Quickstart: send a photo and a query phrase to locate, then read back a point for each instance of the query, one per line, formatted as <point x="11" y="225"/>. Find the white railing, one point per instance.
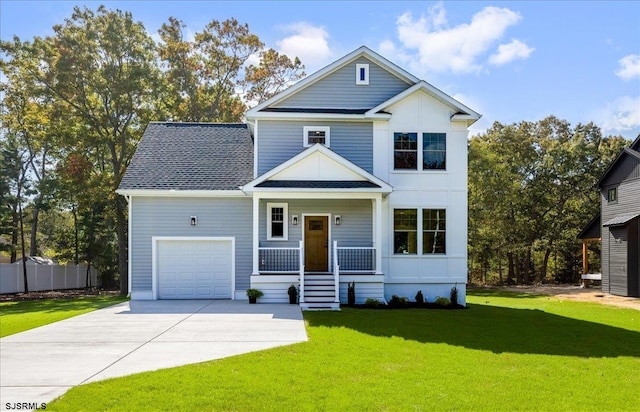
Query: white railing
<point x="356" y="259"/>
<point x="280" y="259"/>
<point x="301" y="270"/>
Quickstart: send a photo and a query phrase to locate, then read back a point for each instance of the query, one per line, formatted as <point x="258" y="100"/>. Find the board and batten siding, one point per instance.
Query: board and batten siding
<point x="354" y="230"/>
<point x="615" y="261"/>
<point x="169" y="216"/>
<point x="339" y="90"/>
<point x="278" y="141"/>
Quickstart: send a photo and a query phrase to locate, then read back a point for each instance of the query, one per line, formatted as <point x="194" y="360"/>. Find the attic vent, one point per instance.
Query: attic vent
<point x="362" y="74"/>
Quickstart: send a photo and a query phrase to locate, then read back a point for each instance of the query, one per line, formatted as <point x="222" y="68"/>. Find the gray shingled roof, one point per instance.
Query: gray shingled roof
<point x="319" y="184"/>
<point x="620" y="220"/>
<point x="191" y="156"/>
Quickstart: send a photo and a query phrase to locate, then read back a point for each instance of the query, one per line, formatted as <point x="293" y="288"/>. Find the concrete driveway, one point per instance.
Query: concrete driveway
<point x="41" y="364"/>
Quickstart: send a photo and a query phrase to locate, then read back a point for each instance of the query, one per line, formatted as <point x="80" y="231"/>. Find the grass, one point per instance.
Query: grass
<point x="28" y="314"/>
<point x="506" y="352"/>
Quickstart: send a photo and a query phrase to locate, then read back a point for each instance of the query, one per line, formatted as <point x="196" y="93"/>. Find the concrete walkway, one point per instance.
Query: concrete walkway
<point x="41" y="364"/>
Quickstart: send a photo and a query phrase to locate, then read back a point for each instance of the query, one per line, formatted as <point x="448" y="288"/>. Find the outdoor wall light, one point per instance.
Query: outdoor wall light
<point x="338" y="220"/>
<point x="294" y="220"/>
<point x="194" y="220"/>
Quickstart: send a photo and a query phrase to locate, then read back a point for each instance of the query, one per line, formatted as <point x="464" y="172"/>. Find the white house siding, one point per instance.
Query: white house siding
<point x="278" y="141"/>
<point x="339" y="90"/>
<point x="170" y="216"/>
<point x="447" y="189"/>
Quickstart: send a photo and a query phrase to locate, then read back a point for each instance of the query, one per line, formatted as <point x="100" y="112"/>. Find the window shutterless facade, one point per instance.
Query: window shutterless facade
<point x="405" y="151"/>
<point x="405" y="231"/>
<point x="316" y="134"/>
<point x="612" y="195"/>
<point x="434" y="225"/>
<point x="277" y="221"/>
<point x="430" y="152"/>
<point x="434" y="151"/>
<point x="406" y="227"/>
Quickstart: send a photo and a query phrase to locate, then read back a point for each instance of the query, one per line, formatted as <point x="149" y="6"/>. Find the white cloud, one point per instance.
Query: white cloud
<point x="509" y="52"/>
<point x="620" y="115"/>
<point x="460" y="48"/>
<point x="629" y="67"/>
<point x="308" y="42"/>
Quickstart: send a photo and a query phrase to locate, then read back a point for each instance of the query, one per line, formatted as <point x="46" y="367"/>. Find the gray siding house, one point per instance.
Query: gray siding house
<point x="620" y="217"/>
<point x="357" y="173"/>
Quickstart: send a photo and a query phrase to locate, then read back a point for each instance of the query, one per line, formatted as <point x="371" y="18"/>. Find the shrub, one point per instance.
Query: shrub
<point x="398" y="301"/>
<point x="442" y="301"/>
<point x="371" y="302"/>
<point x="351" y="293"/>
<point x="454" y="296"/>
<point x="419" y="297"/>
<point x="254" y="293"/>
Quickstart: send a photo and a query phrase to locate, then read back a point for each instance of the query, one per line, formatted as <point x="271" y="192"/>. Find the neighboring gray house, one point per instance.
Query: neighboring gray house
<point x="357" y="173"/>
<point x="620" y="217"/>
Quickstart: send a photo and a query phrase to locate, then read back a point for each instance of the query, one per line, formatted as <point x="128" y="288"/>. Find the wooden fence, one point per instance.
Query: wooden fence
<point x="45" y="277"/>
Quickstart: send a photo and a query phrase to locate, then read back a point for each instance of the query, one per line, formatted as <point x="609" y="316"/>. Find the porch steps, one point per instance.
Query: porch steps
<point x="319" y="292"/>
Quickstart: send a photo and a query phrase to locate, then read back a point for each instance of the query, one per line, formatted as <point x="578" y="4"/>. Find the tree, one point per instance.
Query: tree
<point x="274" y="73"/>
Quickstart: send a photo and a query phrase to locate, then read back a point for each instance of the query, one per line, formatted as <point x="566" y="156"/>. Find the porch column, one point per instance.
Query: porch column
<point x="256" y="233"/>
<point x="377" y="231"/>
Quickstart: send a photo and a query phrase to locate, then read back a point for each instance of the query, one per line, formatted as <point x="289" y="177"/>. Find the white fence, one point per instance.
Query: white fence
<point x="45" y="277"/>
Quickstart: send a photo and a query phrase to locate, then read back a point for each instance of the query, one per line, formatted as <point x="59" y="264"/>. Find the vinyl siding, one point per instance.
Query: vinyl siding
<point x="339" y="90"/>
<point x="278" y="141"/>
<point x="157" y="216"/>
<point x="355" y="230"/>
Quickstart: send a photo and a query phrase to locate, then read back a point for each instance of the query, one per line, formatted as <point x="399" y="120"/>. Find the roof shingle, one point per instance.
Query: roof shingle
<point x="191" y="156"/>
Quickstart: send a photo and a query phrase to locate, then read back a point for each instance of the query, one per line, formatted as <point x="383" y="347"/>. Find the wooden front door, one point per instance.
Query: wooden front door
<point x="316" y="243"/>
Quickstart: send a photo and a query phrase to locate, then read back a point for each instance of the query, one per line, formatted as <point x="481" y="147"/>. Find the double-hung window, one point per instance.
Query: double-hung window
<point x="434" y="222"/>
<point x="316" y="134"/>
<point x="277" y="219"/>
<point x="405" y="151"/>
<point x="434" y="151"/>
<point x="405" y="230"/>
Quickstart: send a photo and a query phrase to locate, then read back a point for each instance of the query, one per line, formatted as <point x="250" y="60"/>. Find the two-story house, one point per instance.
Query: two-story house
<point x="357" y="173"/>
<point x="620" y="216"/>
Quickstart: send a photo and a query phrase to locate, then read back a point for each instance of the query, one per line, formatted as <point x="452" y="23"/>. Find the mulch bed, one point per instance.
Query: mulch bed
<point x="57" y="294"/>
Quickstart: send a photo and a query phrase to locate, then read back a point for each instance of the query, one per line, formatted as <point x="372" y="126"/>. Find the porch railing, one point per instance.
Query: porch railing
<point x="280" y="259"/>
<point x="356" y="259"/>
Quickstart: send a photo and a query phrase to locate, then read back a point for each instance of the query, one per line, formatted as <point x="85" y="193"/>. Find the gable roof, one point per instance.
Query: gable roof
<point x="322" y="73"/>
<point x="325" y="171"/>
<point x="462" y="112"/>
<point x="190" y="156"/>
<point x="633" y="150"/>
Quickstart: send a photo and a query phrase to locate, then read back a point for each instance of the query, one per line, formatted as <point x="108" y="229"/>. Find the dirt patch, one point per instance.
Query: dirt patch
<point x="57" y="294"/>
<point x="572" y="292"/>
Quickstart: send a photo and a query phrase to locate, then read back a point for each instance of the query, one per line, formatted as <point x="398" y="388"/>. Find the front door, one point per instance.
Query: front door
<point x="316" y="243"/>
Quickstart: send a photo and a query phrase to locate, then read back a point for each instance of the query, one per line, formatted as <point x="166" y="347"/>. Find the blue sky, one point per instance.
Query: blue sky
<point x="510" y="61"/>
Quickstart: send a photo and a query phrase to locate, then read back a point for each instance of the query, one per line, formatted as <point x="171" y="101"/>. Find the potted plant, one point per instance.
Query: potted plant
<point x="293" y="295"/>
<point x="254" y="294"/>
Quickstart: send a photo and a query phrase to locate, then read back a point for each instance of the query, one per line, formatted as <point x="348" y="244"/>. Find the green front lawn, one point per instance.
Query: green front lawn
<point x="506" y="352"/>
<point x="28" y="314"/>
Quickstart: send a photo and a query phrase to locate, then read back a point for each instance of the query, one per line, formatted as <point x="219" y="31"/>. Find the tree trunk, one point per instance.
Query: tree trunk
<point x="33" y="247"/>
<point x="511" y="272"/>
<point x="545" y="264"/>
<point x="24" y="256"/>
<point x="500" y="265"/>
<point x="15" y="221"/>
<point x="121" y="225"/>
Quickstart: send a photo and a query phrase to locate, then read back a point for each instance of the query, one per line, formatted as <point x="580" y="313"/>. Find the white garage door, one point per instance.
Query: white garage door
<point x="194" y="269"/>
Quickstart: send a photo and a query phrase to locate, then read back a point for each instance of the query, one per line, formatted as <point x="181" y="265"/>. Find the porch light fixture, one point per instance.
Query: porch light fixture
<point x="194" y="220"/>
<point x="338" y="220"/>
<point x="294" y="220"/>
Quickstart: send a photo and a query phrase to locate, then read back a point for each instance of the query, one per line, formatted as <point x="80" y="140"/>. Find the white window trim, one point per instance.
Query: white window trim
<point x="420" y="166"/>
<point x="419" y="233"/>
<point x="285" y="221"/>
<point x="364" y="82"/>
<point x="307" y="129"/>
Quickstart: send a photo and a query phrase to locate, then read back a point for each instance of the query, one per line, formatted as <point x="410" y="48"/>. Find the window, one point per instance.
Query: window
<point x="405" y="229"/>
<point x="362" y="74"/>
<point x="277" y="221"/>
<point x="316" y="134"/>
<point x="405" y="151"/>
<point x="434" y="222"/>
<point x="434" y="151"/>
<point x="612" y="195"/>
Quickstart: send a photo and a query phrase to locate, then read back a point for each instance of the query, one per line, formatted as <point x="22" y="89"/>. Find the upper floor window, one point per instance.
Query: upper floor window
<point x="277" y="221"/>
<point x="405" y="151"/>
<point x="362" y="74"/>
<point x="316" y="134"/>
<point x="612" y="195"/>
<point x="434" y="150"/>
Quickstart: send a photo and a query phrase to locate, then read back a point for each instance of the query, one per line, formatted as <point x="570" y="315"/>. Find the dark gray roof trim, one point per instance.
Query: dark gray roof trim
<point x="319" y="184"/>
<point x="620" y="220"/>
<point x="592" y="230"/>
<point x="191" y="156"/>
